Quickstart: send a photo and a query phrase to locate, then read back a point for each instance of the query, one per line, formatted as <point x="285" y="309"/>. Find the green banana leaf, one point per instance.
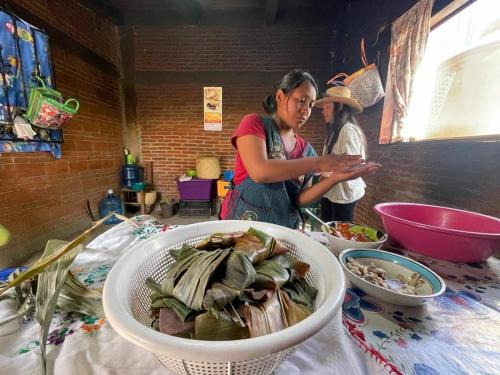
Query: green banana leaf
<point x="218" y="296"/>
<point x="209" y="327"/>
<point x="270" y="274"/>
<point x="219" y="241"/>
<point x="192" y="284"/>
<point x="301" y="292"/>
<point x="295" y="267"/>
<point x="239" y="273"/>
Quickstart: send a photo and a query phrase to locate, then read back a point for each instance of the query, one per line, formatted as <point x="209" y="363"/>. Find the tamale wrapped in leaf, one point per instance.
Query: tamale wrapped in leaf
<point x="209" y="327"/>
<point x="301" y="292"/>
<point x="256" y="296"/>
<point x="218" y="296"/>
<point x="160" y="300"/>
<point x="219" y="241"/>
<point x="256" y="245"/>
<point x="265" y="318"/>
<point x="300" y="268"/>
<point x="239" y="272"/>
<point x="171" y="324"/>
<point x="183" y="312"/>
<point x="192" y="285"/>
<point x="294" y="312"/>
<point x="182" y="253"/>
<point x="178" y="268"/>
<point x="270" y="274"/>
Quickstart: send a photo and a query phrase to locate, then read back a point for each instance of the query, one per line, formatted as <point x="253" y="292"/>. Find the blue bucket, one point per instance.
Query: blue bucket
<point x="228" y="175"/>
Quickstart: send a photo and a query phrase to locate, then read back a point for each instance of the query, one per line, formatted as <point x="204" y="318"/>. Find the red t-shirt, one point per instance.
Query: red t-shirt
<point x="252" y="125"/>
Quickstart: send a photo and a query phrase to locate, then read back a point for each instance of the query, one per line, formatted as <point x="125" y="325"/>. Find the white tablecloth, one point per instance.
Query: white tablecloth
<point x="90" y="346"/>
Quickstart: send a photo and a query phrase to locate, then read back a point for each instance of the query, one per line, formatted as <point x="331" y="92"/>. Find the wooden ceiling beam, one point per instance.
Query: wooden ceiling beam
<point x="105" y="9"/>
<point x="189" y="9"/>
<point x="272" y="7"/>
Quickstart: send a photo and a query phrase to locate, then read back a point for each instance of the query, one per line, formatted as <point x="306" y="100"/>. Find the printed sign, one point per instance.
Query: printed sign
<point x="212" y="108"/>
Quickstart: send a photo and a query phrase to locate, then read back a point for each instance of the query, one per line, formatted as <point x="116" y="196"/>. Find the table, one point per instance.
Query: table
<point x="92" y="346"/>
<point x="456" y="334"/>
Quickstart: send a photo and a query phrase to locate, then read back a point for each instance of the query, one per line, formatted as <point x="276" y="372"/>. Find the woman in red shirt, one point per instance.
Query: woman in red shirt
<point x="274" y="166"/>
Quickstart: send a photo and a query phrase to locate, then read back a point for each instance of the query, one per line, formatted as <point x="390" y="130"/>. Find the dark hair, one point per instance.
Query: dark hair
<point x="342" y="115"/>
<point x="288" y="83"/>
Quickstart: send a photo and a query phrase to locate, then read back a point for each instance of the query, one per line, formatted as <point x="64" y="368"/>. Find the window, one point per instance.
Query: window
<point x="457" y="84"/>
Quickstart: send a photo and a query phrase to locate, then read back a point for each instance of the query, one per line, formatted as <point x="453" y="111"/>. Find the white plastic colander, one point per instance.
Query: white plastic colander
<point x="127" y="304"/>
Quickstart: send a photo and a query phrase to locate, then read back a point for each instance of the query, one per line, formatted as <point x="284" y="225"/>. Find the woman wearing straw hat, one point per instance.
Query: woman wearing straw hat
<point x="343" y="137"/>
<point x="274" y="166"/>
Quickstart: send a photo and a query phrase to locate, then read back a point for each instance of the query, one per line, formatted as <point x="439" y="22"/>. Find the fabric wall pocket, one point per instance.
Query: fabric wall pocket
<point x="365" y="84"/>
<point x="47" y="109"/>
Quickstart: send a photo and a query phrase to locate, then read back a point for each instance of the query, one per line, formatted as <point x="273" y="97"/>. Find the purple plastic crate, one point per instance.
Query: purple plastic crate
<point x="196" y="189"/>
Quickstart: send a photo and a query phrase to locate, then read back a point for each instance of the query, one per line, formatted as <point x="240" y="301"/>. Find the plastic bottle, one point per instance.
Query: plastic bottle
<point x="111" y="203"/>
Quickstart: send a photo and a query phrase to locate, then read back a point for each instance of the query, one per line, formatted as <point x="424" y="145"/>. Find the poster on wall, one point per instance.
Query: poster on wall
<point x="212" y="108"/>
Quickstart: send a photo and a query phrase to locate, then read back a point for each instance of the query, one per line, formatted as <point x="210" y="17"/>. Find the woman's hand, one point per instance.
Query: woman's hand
<point x="332" y="162"/>
<point x="353" y="171"/>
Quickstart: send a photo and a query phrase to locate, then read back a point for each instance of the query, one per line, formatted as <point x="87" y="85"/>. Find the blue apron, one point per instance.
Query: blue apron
<point x="270" y="202"/>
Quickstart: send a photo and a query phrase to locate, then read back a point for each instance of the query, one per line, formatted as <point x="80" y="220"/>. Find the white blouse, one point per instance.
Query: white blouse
<point x="351" y="141"/>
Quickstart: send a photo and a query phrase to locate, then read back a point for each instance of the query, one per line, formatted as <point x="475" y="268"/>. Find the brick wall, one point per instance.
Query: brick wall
<point x="42" y="197"/>
<point x="173" y="65"/>
<point x="462" y="174"/>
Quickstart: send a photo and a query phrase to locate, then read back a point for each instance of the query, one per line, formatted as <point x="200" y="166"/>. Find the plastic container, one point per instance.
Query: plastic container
<point x="111" y="203"/>
<point x="222" y="188"/>
<point x="228" y="175"/>
<point x="127" y="303"/>
<point x="131" y="174"/>
<point x="195" y="208"/>
<point x="197" y="189"/>
<point x="441" y="232"/>
<point x="169" y="209"/>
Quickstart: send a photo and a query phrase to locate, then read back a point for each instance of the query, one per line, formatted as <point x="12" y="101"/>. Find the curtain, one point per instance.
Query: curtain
<point x="408" y="40"/>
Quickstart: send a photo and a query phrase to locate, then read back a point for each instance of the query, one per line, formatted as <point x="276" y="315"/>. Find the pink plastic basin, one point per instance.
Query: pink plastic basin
<point x="441" y="232"/>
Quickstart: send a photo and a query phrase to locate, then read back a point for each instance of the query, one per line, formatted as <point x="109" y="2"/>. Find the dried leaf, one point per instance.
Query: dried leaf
<point x="264" y="318"/>
<point x="50" y="283"/>
<point x="43" y="263"/>
<point x="294" y="312"/>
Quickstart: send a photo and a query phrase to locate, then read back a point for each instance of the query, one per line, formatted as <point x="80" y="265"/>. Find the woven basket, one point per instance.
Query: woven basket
<point x="208" y="167"/>
<point x="150" y="198"/>
<point x="126" y="302"/>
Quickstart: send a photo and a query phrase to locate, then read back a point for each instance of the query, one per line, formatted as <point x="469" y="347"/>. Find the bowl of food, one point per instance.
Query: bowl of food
<point x="137" y="280"/>
<point x="345" y="235"/>
<point x="441" y="232"/>
<point x="390" y="277"/>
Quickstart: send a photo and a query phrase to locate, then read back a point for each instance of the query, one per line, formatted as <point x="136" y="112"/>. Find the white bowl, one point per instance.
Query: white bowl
<point x="337" y="244"/>
<point x="126" y="302"/>
<point x="393" y="264"/>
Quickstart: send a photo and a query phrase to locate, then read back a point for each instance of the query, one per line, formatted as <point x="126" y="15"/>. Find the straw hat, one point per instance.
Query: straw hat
<point x="339" y="94"/>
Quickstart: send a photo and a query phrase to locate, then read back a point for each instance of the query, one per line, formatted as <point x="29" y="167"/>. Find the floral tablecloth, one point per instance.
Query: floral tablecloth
<point x="88" y="345"/>
<point x="456" y="333"/>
